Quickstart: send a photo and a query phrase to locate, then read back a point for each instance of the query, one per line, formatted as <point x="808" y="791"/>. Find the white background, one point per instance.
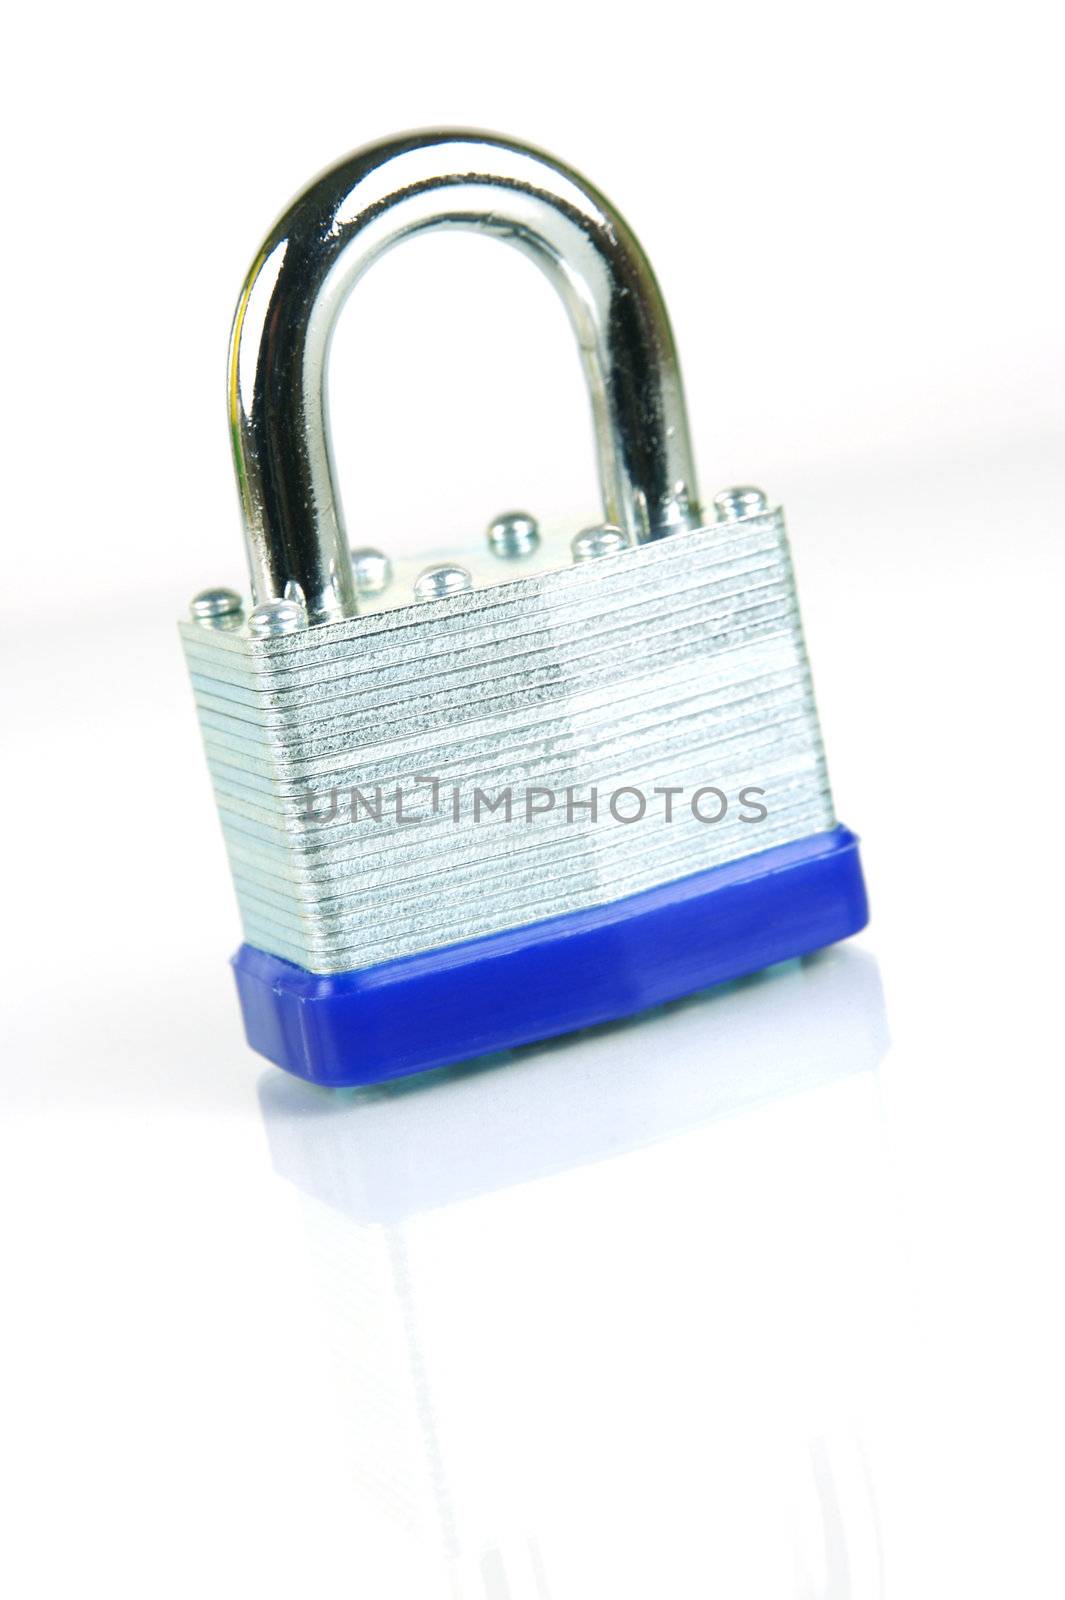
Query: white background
<point x="758" y="1298"/>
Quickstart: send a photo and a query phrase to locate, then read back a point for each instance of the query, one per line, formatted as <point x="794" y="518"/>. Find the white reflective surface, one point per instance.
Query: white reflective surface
<point x="547" y="1284"/>
<point x="761" y="1297"/>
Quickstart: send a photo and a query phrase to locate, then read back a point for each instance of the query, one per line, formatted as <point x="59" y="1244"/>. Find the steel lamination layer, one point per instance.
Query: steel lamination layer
<point x="677" y="663"/>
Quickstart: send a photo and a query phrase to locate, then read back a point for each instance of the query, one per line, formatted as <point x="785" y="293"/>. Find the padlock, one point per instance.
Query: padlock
<point x="541" y="783"/>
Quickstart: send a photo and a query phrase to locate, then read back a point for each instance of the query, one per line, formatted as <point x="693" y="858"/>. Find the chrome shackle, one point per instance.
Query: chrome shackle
<point x="314" y="256"/>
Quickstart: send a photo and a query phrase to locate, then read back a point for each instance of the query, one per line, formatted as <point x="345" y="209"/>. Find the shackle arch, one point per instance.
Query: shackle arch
<point x="313" y="257"/>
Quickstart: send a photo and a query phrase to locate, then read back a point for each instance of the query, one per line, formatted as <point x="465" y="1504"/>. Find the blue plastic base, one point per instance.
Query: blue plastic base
<point x="554" y="976"/>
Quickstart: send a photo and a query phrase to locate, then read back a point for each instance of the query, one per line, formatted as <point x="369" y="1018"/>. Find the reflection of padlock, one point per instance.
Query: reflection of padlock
<point x="532" y="787"/>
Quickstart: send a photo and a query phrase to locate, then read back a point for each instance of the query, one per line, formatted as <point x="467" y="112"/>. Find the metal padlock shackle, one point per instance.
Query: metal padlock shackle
<point x="314" y="256"/>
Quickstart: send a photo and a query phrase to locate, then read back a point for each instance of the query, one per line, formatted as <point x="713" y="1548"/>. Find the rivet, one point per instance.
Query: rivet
<point x="732" y="505"/>
<point x="514" y="534"/>
<point x="437" y="582"/>
<point x="277" y="616"/>
<point x="371" y="569"/>
<point x="604" y="540"/>
<point x="212" y="605"/>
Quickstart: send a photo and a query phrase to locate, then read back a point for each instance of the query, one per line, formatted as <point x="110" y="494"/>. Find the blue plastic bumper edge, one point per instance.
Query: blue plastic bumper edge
<point x="550" y="977"/>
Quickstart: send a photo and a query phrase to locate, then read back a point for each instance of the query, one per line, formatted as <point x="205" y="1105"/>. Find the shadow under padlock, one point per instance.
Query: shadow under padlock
<point x="485" y="1264"/>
